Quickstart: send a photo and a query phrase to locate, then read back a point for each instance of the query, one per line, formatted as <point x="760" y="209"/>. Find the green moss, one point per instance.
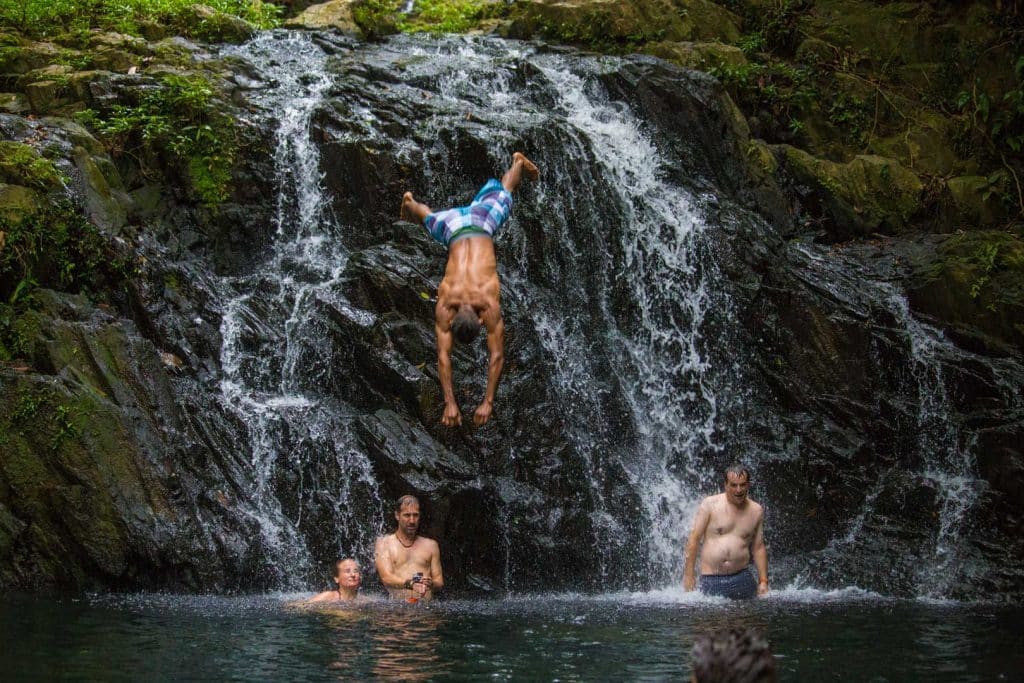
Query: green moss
<point x="21" y="164"/>
<point x="183" y="120"/>
<point x="975" y="281"/>
<point x="40" y="18"/>
<point x="376" y="18"/>
<point x="443" y="16"/>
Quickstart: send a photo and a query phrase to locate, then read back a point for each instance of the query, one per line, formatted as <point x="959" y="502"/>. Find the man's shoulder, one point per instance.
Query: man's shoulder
<point x="712" y="500"/>
<point x="384" y="540"/>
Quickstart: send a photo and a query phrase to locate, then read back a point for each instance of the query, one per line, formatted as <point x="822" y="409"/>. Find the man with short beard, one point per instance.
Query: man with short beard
<point x="730" y="525"/>
<point x="409" y="565"/>
<point x="468" y="296"/>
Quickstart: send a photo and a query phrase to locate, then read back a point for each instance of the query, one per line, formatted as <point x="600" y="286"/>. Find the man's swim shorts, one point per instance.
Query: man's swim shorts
<point x="739" y="586"/>
<point x="484" y="216"/>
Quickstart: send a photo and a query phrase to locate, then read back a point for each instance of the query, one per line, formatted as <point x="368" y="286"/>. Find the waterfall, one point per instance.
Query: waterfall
<point x="614" y="285"/>
<point x="274" y="352"/>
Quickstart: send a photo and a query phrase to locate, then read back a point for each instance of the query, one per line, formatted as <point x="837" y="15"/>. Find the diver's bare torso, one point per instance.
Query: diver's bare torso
<point x="471" y="276"/>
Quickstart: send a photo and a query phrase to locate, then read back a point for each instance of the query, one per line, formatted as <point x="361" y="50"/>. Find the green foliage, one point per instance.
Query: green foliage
<point x="851" y="116"/>
<point x="985" y="258"/>
<point x="55" y="248"/>
<point x="181" y="119"/>
<point x="20" y="164"/>
<point x="774" y="29"/>
<point x="31" y="404"/>
<point x="51" y="17"/>
<point x="64" y="421"/>
<point x="376" y="18"/>
<point x="443" y="16"/>
<point x="27" y="405"/>
<point x="781" y="89"/>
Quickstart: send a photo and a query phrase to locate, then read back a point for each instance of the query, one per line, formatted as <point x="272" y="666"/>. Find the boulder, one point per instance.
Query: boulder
<point x="701" y="56"/>
<point x="18" y="202"/>
<point x="869" y="194"/>
<point x="976" y="200"/>
<point x="973" y="285"/>
<point x="21" y="164"/>
<point x="336" y="14"/>
<point x="601" y="22"/>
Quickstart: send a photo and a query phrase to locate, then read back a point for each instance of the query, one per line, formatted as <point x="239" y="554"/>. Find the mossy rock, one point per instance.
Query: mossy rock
<point x="973" y="284"/>
<point x="205" y="23"/>
<point x="701" y="56"/>
<point x="336" y="14"/>
<point x="106" y="203"/>
<point x="376" y="18"/>
<point x="21" y="164"/>
<point x="600" y="23"/>
<point x="901" y="31"/>
<point x="814" y="51"/>
<point x="14" y="103"/>
<point x="868" y="194"/>
<point x="18" y="202"/>
<point x="976" y="200"/>
<point x="28" y="57"/>
<point x="926" y="146"/>
<point x="119" y="41"/>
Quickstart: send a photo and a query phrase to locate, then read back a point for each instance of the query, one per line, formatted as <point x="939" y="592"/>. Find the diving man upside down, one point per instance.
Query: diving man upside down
<point x="469" y="293"/>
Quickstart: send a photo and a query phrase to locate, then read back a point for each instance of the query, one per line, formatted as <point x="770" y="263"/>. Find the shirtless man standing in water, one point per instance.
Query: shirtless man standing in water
<point x="408" y="564"/>
<point x="731" y="528"/>
<point x="468" y="296"/>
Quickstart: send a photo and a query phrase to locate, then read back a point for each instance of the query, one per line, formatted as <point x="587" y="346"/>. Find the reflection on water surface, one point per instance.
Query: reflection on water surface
<point x="845" y="635"/>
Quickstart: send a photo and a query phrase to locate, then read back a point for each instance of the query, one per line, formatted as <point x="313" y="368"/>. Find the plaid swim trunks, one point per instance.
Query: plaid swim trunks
<point x="484" y="216"/>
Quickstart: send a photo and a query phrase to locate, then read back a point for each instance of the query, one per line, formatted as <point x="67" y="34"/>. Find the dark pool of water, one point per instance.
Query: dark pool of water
<point x="815" y="636"/>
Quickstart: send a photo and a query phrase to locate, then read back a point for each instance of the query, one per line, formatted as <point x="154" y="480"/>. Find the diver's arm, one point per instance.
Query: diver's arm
<point x="452" y="415"/>
<point x="496" y="349"/>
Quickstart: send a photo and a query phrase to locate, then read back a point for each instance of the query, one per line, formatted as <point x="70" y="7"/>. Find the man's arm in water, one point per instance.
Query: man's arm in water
<point x="700" y="525"/>
<point x="761" y="556"/>
<point x="452" y="415"/>
<point x="496" y="349"/>
<point x="382" y="560"/>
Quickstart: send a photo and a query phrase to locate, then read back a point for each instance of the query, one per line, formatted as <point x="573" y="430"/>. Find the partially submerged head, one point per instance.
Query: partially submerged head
<point x="466" y="324"/>
<point x="347" y="574"/>
<point x="739" y="655"/>
<point x="407" y="513"/>
<point x="737" y="483"/>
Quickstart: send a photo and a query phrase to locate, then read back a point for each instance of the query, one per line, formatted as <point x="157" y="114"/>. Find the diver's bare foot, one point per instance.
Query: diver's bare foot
<point x="528" y="166"/>
<point x="406" y="212"/>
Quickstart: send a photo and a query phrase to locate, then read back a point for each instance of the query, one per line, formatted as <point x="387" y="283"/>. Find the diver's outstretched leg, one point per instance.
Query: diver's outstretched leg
<point x="413" y="210"/>
<point x="520" y="165"/>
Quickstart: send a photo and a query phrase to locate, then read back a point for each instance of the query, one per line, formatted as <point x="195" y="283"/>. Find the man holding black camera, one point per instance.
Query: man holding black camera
<point x="409" y="565"/>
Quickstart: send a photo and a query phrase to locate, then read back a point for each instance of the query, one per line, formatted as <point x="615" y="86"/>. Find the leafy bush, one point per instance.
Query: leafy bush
<point x="441" y="16"/>
<point x="178" y="123"/>
<point x="50" y="17"/>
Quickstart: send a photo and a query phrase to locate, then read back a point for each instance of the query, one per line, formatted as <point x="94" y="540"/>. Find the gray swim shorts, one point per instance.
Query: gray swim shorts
<point x="739" y="586"/>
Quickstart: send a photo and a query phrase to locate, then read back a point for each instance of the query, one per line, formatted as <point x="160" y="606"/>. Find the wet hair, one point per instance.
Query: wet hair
<point x="405" y="500"/>
<point x="739" y="469"/>
<point x="337" y="565"/>
<point x="739" y="655"/>
<point x="466" y="325"/>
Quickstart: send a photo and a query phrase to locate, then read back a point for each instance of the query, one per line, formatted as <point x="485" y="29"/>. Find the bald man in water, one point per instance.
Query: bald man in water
<point x="468" y="297"/>
<point x="731" y="527"/>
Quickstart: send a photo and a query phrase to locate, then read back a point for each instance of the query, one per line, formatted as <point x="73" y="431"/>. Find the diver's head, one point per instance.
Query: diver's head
<point x="466" y="324"/>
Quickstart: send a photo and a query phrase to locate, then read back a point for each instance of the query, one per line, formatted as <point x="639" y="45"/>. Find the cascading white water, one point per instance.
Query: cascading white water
<point x="947" y="462"/>
<point x="658" y="359"/>
<point x="269" y="327"/>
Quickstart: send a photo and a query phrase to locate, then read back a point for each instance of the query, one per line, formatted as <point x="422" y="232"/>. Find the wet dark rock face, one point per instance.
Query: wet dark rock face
<point x="815" y="375"/>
